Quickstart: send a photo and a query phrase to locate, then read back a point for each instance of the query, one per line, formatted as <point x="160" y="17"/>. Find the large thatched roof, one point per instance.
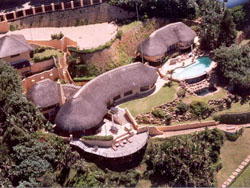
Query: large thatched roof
<point x="12" y="45"/>
<point x="89" y="105"/>
<point x="159" y="41"/>
<point x="44" y="93"/>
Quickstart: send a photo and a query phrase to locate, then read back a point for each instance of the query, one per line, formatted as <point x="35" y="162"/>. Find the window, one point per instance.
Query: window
<point x="144" y="88"/>
<point x="128" y="93"/>
<point x="16" y="55"/>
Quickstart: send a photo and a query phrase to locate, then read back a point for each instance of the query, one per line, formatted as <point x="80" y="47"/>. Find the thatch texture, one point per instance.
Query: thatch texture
<point x="44" y="93"/>
<point x="12" y="45"/>
<point x="89" y="105"/>
<point x="158" y="42"/>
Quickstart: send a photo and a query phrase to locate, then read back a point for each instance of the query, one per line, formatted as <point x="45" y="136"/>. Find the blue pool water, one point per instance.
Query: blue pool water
<point x="234" y="3"/>
<point x="193" y="70"/>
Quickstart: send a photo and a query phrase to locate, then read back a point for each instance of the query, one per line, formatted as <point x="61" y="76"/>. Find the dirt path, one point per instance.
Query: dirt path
<point x="88" y="36"/>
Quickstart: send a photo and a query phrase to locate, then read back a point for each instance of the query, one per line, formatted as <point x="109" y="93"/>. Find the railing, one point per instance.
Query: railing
<point x="47" y="8"/>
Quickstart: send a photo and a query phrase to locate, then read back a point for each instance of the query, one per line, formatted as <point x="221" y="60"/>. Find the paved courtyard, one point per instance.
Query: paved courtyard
<point x="87" y="36"/>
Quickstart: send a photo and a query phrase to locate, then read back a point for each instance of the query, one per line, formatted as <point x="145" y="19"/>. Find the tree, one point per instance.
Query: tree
<point x="233" y="64"/>
<point x="228" y="31"/>
<point x="218" y="27"/>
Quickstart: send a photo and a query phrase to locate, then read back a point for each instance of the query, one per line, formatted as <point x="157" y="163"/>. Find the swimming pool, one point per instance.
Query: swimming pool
<point x="234" y="3"/>
<point x="194" y="70"/>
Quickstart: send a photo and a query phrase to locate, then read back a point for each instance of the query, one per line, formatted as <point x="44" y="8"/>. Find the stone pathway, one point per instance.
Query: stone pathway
<point x="237" y="172"/>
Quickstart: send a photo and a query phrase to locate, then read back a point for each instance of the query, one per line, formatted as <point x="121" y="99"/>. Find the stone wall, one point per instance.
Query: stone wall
<point x="74" y="17"/>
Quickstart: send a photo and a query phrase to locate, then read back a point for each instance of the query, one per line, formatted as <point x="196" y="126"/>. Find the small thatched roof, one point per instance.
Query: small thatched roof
<point x="88" y="106"/>
<point x="159" y="41"/>
<point x="44" y="93"/>
<point x="12" y="45"/>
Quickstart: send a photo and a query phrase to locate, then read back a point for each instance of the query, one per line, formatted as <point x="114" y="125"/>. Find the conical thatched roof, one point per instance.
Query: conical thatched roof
<point x="12" y="45"/>
<point x="89" y="105"/>
<point x="158" y="42"/>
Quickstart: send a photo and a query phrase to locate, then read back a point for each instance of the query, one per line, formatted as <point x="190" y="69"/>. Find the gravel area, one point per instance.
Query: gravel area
<point x="87" y="36"/>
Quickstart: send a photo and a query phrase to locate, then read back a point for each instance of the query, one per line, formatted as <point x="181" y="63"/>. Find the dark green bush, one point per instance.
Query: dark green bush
<point x="168" y="119"/>
<point x="119" y="34"/>
<point x="199" y="109"/>
<point x="181" y="93"/>
<point x="158" y="113"/>
<point x="101" y="138"/>
<point x="175" y="55"/>
<point x="234" y="136"/>
<point x="12" y="28"/>
<point x="57" y="36"/>
<point x="233" y="118"/>
<point x="40" y="49"/>
<point x="181" y="108"/>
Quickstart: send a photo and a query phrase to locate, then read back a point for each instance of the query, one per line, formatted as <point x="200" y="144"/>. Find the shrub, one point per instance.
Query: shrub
<point x="196" y="28"/>
<point x="40" y="49"/>
<point x="101" y="138"/>
<point x="119" y="34"/>
<point x="181" y="93"/>
<point x="158" y="113"/>
<point x="175" y="55"/>
<point x="39" y="59"/>
<point x="12" y="28"/>
<point x="181" y="108"/>
<point x="168" y="119"/>
<point x="199" y="108"/>
<point x="234" y="136"/>
<point x="233" y="118"/>
<point x="57" y="36"/>
<point x="83" y="79"/>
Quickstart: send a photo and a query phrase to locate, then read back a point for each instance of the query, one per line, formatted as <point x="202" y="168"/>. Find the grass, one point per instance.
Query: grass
<point x="129" y="27"/>
<point x="243" y="180"/>
<point x="232" y="154"/>
<point x="214" y="96"/>
<point x="166" y="94"/>
<point x="237" y="107"/>
<point x="49" y="52"/>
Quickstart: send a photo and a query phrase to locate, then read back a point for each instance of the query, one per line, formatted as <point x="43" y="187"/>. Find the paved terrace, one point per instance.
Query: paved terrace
<point x="87" y="36"/>
<point x="138" y="142"/>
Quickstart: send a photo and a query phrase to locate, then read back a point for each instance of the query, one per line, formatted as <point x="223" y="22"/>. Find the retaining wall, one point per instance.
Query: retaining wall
<point x="41" y="66"/>
<point x="73" y="13"/>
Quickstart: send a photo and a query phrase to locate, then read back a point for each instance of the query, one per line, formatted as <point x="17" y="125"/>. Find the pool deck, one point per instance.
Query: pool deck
<point x="138" y="142"/>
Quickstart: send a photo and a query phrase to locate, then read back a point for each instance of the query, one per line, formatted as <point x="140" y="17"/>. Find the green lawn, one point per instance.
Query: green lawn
<point x="49" y="52"/>
<point x="232" y="154"/>
<point x="213" y="96"/>
<point x="129" y="27"/>
<point x="166" y="94"/>
<point x="243" y="180"/>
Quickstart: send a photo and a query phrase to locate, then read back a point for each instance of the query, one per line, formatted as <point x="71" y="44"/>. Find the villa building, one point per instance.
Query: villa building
<point x="85" y="111"/>
<point x="16" y="50"/>
<point x="160" y="42"/>
<point x="49" y="96"/>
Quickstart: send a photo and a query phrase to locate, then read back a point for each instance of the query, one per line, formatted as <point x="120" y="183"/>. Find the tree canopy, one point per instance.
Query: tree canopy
<point x="234" y="65"/>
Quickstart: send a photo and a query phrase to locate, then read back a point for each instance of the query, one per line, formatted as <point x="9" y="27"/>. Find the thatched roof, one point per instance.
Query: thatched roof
<point x="69" y="90"/>
<point x="44" y="93"/>
<point x="89" y="105"/>
<point x="159" y="41"/>
<point x="12" y="45"/>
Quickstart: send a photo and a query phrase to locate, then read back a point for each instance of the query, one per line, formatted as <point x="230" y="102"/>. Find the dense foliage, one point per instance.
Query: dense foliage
<point x="217" y="25"/>
<point x="160" y="8"/>
<point x="234" y="65"/>
<point x="187" y="160"/>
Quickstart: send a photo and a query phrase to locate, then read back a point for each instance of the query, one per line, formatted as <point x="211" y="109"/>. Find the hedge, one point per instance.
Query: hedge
<point x="39" y="59"/>
<point x="92" y="50"/>
<point x="234" y="136"/>
<point x="233" y="118"/>
<point x="101" y="138"/>
<point x="83" y="79"/>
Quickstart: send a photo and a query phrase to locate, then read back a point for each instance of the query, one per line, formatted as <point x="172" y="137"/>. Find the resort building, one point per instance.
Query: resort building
<point x="16" y="50"/>
<point x="160" y="42"/>
<point x="85" y="111"/>
<point x="49" y="96"/>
